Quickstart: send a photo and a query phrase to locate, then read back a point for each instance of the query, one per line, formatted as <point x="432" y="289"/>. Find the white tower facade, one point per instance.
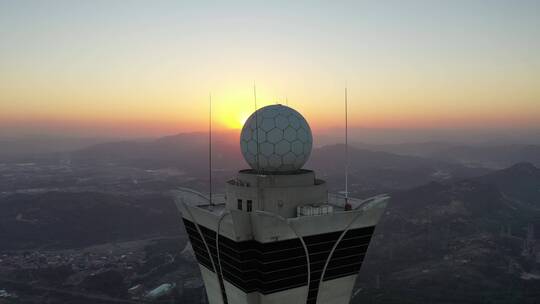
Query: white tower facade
<point x="277" y="235"/>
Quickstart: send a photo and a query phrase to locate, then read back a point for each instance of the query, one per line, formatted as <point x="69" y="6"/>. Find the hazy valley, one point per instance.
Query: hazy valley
<point x="97" y="224"/>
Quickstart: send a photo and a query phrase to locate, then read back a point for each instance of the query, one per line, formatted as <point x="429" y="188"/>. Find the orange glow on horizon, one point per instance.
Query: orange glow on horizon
<point x="166" y="111"/>
<point x="231" y="117"/>
<point x="147" y="71"/>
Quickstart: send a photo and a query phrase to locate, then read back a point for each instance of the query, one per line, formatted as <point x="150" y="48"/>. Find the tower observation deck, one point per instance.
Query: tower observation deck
<point x="277" y="235"/>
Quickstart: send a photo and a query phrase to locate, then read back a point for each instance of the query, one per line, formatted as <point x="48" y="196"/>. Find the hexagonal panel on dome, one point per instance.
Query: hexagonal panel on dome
<point x="246" y="135"/>
<point x="275" y="161"/>
<point x="280" y="141"/>
<point x="302" y="135"/>
<point x="267" y="124"/>
<point x="289" y="158"/>
<point x="282" y="147"/>
<point x="293" y="120"/>
<point x="289" y="134"/>
<point x="260" y="135"/>
<point x="274" y="136"/>
<point x="299" y="162"/>
<point x="250" y="158"/>
<point x="307" y="147"/>
<point x="243" y="145"/>
<point x="252" y="124"/>
<point x="303" y="124"/>
<point x="267" y="149"/>
<point x="285" y="111"/>
<point x="252" y="147"/>
<point x="297" y="148"/>
<point x="281" y="122"/>
<point x="263" y="161"/>
<point x="270" y="113"/>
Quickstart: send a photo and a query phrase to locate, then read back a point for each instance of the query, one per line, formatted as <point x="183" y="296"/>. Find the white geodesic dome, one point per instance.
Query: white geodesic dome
<point x="276" y="138"/>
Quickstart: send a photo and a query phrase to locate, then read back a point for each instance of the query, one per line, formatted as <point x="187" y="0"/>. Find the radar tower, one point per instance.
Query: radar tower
<point x="277" y="235"/>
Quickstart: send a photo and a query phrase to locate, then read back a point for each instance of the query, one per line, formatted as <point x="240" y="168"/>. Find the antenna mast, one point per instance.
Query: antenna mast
<point x="256" y="126"/>
<point x="347" y="205"/>
<point x="210" y="145"/>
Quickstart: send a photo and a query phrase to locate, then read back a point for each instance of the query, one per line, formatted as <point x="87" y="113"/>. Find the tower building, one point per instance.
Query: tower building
<point x="277" y="235"/>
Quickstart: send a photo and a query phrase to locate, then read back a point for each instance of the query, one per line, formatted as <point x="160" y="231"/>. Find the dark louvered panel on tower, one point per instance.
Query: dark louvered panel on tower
<point x="272" y="267"/>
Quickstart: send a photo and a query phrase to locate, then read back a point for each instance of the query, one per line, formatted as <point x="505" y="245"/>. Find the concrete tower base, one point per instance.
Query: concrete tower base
<point x="278" y="239"/>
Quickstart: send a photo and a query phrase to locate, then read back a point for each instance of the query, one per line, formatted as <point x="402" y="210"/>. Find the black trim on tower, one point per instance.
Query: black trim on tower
<point x="202" y="254"/>
<point x="271" y="267"/>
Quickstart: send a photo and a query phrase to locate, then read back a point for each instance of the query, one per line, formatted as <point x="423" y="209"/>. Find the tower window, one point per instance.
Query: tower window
<point x="249" y="206"/>
<point x="239" y="204"/>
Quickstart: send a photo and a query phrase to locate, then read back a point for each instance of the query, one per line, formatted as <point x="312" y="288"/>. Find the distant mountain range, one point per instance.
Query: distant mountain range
<point x="32" y="146"/>
<point x="154" y="152"/>
<point x="496" y="157"/>
<point x="374" y="170"/>
<point x="383" y="171"/>
<point x="487" y="155"/>
<point x="226" y="149"/>
<point x="460" y="242"/>
<point x="188" y="151"/>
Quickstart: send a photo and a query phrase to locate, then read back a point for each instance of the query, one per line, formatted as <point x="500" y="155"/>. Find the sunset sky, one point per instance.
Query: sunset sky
<point x="145" y="68"/>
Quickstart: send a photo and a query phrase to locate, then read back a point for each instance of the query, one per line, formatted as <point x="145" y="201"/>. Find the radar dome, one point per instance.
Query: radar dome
<point x="276" y="139"/>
